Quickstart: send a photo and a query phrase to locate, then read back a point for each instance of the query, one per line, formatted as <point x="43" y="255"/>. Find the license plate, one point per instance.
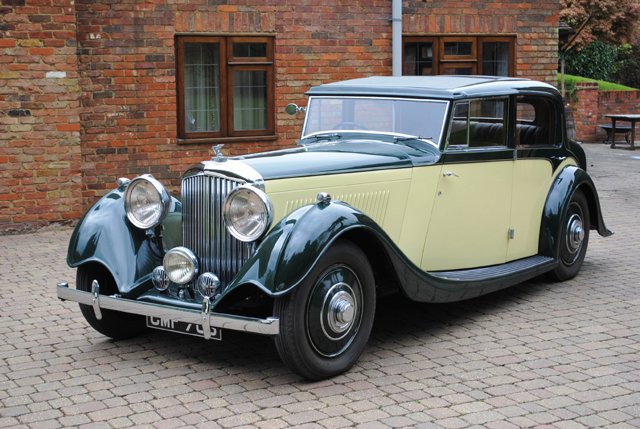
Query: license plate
<point x="182" y="327"/>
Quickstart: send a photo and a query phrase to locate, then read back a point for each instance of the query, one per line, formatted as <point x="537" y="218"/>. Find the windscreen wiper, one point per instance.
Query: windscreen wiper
<point x="423" y="144"/>
<point x="407" y="138"/>
<point x="325" y="136"/>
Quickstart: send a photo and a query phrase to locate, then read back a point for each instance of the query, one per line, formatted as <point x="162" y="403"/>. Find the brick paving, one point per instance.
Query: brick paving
<point x="563" y="355"/>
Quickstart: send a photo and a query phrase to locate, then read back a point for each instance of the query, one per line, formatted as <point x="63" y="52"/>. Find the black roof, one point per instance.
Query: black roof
<point x="444" y="87"/>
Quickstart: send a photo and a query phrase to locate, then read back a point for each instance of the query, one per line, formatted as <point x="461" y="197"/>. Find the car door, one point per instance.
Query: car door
<point x="469" y="224"/>
<point x="538" y="138"/>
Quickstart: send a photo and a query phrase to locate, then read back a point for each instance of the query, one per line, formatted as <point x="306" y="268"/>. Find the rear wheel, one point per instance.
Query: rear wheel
<point x="114" y="324"/>
<point x="573" y="239"/>
<point x="325" y="323"/>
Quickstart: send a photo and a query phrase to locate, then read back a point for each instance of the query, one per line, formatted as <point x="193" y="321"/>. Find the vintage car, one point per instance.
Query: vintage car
<point x="442" y="188"/>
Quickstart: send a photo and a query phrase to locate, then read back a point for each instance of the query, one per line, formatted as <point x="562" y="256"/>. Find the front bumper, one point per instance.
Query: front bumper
<point x="204" y="317"/>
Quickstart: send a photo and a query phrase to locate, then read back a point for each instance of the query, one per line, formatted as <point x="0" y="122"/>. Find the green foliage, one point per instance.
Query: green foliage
<point x="597" y="60"/>
<point x="628" y="68"/>
<point x="570" y="84"/>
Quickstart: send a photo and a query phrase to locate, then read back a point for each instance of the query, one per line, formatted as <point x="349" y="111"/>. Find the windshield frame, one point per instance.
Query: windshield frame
<point x="391" y="134"/>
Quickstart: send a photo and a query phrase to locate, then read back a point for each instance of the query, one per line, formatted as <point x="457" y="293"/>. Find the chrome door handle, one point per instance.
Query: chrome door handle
<point x="449" y="174"/>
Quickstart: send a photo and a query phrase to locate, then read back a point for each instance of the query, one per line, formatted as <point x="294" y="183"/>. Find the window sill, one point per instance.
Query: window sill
<point x="242" y="139"/>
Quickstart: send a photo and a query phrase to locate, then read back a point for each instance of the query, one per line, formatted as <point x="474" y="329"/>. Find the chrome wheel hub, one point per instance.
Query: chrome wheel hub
<point x="575" y="233"/>
<point x="338" y="311"/>
<point x="341" y="311"/>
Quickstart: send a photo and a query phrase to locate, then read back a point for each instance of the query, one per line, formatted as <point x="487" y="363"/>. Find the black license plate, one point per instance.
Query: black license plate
<point x="182" y="327"/>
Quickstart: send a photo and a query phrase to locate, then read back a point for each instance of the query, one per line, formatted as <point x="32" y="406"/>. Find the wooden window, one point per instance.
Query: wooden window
<point x="225" y="87"/>
<point x="458" y="48"/>
<point x="464" y="55"/>
<point x="462" y="68"/>
<point x="420" y="56"/>
<point x="496" y="56"/>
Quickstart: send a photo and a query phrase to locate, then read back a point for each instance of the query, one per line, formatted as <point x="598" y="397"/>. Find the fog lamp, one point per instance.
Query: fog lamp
<point x="181" y="265"/>
<point x="208" y="284"/>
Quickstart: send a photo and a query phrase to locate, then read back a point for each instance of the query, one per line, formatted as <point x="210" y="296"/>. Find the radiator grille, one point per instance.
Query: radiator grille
<point x="203" y="228"/>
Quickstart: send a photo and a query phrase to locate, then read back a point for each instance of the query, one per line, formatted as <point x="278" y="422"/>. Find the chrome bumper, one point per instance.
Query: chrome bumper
<point x="268" y="326"/>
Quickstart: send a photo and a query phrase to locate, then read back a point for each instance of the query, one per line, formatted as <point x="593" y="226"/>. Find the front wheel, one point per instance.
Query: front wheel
<point x="114" y="324"/>
<point x="325" y="323"/>
<point x="573" y="239"/>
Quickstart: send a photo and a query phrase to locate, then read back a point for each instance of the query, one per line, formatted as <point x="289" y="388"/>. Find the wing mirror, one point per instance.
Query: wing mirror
<point x="293" y="108"/>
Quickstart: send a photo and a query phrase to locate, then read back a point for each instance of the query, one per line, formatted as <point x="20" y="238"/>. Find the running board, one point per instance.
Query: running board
<point x="533" y="265"/>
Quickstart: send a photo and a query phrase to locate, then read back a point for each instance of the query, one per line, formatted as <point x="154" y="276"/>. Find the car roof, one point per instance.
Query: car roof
<point x="443" y="87"/>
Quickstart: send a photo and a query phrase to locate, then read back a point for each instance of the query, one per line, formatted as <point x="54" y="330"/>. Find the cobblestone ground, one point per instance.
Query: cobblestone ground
<point x="539" y="354"/>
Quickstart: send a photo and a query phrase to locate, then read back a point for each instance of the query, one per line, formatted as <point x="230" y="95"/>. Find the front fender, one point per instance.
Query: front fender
<point x="291" y="249"/>
<point x="105" y="236"/>
<point x="568" y="181"/>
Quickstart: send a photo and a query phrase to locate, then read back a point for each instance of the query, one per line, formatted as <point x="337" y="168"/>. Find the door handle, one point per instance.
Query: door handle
<point x="449" y="174"/>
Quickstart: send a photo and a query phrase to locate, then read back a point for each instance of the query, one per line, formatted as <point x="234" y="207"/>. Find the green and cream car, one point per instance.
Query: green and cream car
<point x="442" y="188"/>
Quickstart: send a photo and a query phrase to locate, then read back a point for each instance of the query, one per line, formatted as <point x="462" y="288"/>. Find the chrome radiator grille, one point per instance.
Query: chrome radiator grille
<point x="203" y="228"/>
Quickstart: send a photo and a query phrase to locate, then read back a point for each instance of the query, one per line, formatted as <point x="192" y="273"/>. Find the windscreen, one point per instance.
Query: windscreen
<point x="422" y="118"/>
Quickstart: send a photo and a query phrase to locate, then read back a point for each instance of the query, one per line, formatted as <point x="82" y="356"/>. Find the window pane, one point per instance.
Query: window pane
<point x="249" y="100"/>
<point x="201" y="87"/>
<point x="247" y="50"/>
<point x="458" y="48"/>
<point x="487" y="123"/>
<point x="418" y="58"/>
<point x="495" y="58"/>
<point x="458" y="130"/>
<point x="536" y="121"/>
<point x="375" y="115"/>
<point x="457" y="70"/>
<point x="478" y="123"/>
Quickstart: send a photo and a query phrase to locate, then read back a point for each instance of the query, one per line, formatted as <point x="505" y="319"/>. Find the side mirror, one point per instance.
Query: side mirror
<point x="293" y="108"/>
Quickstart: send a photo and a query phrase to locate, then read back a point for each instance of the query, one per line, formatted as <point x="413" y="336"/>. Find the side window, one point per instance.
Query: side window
<point x="459" y="128"/>
<point x="478" y="123"/>
<point x="536" y="121"/>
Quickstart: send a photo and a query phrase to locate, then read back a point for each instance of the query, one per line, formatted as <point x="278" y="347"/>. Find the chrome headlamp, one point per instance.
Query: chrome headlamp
<point x="180" y="265"/>
<point x="247" y="213"/>
<point x="146" y="202"/>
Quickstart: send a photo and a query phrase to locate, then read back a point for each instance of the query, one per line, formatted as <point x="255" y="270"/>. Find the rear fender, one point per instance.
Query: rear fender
<point x="104" y="235"/>
<point x="570" y="180"/>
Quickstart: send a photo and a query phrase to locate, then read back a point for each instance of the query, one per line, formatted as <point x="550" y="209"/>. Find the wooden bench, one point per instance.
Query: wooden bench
<point x="620" y="129"/>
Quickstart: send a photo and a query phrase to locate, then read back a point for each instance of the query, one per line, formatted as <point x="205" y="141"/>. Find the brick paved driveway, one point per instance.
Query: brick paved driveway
<point x="561" y="355"/>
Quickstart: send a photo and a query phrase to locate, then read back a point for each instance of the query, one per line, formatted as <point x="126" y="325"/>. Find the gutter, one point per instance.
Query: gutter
<point x="396" y="38"/>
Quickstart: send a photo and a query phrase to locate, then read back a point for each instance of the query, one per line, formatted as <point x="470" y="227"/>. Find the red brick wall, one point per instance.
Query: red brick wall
<point x="126" y="72"/>
<point x="535" y="23"/>
<point x="39" y="114"/>
<point x="591" y="105"/>
<point x="127" y="64"/>
<point x="617" y="102"/>
<point x="585" y="111"/>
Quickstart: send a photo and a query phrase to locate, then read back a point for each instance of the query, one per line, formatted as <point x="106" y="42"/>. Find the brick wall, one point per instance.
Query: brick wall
<point x="127" y="67"/>
<point x="39" y="114"/>
<point x="534" y="22"/>
<point x="591" y="105"/>
<point x="585" y="111"/>
<point x="126" y="70"/>
<point x="617" y="102"/>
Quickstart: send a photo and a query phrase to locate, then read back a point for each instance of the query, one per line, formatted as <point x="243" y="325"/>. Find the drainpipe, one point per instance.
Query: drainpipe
<point x="396" y="38"/>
